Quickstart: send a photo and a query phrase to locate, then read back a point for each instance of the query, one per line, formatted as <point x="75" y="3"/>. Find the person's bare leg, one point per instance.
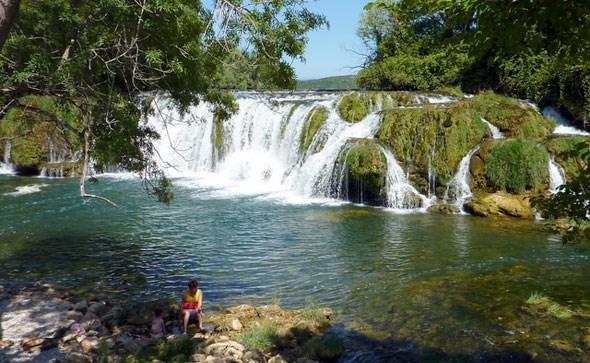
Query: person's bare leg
<point x="187" y="317"/>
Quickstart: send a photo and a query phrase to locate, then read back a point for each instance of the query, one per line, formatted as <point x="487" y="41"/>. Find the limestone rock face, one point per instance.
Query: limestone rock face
<point x="501" y="204"/>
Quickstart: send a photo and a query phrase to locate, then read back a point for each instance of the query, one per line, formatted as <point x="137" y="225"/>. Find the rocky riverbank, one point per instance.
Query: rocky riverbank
<point x="41" y="324"/>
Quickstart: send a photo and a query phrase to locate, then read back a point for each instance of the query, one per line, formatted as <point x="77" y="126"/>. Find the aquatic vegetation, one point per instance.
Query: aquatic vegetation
<point x="314" y="121"/>
<point x="549" y="306"/>
<point x="355" y="106"/>
<point x="262" y="337"/>
<point x="517" y="165"/>
<point x="511" y="116"/>
<point x="366" y="173"/>
<point x="431" y="137"/>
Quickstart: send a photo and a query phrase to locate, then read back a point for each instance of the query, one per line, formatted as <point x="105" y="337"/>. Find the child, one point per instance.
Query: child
<point x="158" y="327"/>
<point x="192" y="301"/>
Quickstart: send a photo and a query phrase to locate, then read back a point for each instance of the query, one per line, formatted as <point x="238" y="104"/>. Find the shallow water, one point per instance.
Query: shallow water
<point x="449" y="284"/>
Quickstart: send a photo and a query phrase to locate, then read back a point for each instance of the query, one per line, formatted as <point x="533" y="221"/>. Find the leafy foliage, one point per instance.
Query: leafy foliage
<point x="101" y="58"/>
<point x="517" y="165"/>
<point x="331" y="83"/>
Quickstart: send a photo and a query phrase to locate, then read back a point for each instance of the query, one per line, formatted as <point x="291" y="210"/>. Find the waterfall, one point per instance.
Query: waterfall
<point x="556" y="176"/>
<point x="400" y="193"/>
<point x="5" y="166"/>
<point x="563" y="125"/>
<point x="460" y="182"/>
<point x="496" y="133"/>
<point x="257" y="151"/>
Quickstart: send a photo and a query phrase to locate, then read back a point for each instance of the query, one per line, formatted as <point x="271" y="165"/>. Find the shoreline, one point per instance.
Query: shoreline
<point x="42" y="324"/>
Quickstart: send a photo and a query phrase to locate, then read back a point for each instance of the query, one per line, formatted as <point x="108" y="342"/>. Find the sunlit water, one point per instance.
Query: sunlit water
<point x="454" y="284"/>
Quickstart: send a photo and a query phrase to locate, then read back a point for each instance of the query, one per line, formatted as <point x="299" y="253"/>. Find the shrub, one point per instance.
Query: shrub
<point x="517" y="165"/>
<point x="262" y="337"/>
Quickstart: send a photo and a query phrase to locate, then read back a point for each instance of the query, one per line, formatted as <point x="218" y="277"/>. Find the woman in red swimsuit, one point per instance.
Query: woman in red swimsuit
<point x="192" y="301"/>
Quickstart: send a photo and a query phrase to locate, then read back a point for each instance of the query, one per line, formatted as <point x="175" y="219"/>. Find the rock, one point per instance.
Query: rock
<point x="31" y="343"/>
<point x="443" y="209"/>
<point x="112" y="317"/>
<point x="74" y="315"/>
<point x="89" y="345"/>
<point x="563" y="346"/>
<point x="199" y="358"/>
<point x="76" y="357"/>
<point x="212" y="359"/>
<point x="225" y="349"/>
<point x="98" y="308"/>
<point x="501" y="204"/>
<point x="81" y="306"/>
<point x="128" y="344"/>
<point x="6" y="344"/>
<point x="252" y="356"/>
<point x="236" y="325"/>
<point x="277" y="359"/>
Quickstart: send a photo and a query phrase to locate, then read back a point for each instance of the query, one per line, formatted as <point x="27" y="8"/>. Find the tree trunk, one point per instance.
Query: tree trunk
<point x="8" y="11"/>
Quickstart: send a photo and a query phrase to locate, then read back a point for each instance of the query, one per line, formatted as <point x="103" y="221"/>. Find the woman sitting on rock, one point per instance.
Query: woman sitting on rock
<point x="192" y="301"/>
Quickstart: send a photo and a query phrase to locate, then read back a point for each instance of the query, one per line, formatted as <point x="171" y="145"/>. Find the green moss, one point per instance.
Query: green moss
<point x="566" y="153"/>
<point x="314" y="121"/>
<point x="366" y="173"/>
<point x="450" y="91"/>
<point x="517" y="165"/>
<point x="550" y="307"/>
<point x="414" y="133"/>
<point x="354" y="107"/>
<point x="513" y="118"/>
<point x="262" y="337"/>
<point x="218" y="137"/>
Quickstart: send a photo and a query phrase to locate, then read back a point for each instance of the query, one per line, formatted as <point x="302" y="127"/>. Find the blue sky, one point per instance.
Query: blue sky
<point x="328" y="52"/>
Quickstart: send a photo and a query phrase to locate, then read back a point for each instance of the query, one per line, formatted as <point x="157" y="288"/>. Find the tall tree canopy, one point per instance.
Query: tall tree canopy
<point x="536" y="49"/>
<point x="102" y="59"/>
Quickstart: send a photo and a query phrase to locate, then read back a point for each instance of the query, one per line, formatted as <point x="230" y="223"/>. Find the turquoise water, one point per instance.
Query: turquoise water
<point x="454" y="284"/>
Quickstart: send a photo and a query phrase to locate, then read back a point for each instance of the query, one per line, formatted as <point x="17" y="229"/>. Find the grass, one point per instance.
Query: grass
<point x="262" y="338"/>
<point x="517" y="165"/>
<point x="177" y="350"/>
<point x="355" y="106"/>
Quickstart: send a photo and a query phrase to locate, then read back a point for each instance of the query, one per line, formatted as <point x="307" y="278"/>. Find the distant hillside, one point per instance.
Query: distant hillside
<point x="339" y="83"/>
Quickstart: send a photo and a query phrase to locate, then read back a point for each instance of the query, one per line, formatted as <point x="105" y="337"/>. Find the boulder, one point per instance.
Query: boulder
<point x="81" y="306"/>
<point x="98" y="308"/>
<point x="225" y="349"/>
<point x="74" y="315"/>
<point x="236" y="325"/>
<point x="443" y="209"/>
<point x="277" y="359"/>
<point x="501" y="204"/>
<point x="36" y="343"/>
<point x="252" y="356"/>
<point x="89" y="345"/>
<point x="76" y="357"/>
<point x="198" y="358"/>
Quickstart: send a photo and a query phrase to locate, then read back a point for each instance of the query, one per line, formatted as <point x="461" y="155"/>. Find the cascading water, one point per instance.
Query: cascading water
<point x="556" y="176"/>
<point x="496" y="133"/>
<point x="563" y="125"/>
<point x="400" y="193"/>
<point x="5" y="166"/>
<point x="257" y="151"/>
<point x="459" y="185"/>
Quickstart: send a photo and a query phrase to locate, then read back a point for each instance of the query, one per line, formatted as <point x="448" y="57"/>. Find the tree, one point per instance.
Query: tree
<point x="8" y="11"/>
<point x="107" y="59"/>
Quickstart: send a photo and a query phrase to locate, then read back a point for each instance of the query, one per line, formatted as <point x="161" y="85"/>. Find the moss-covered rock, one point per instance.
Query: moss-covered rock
<point x="514" y="118"/>
<point x="565" y="149"/>
<point x="354" y="107"/>
<point x="516" y="166"/>
<point x="313" y="122"/>
<point x="366" y="173"/>
<point x="500" y="204"/>
<point x="431" y="136"/>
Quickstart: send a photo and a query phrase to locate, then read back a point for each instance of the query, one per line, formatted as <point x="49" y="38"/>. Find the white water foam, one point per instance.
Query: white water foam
<point x="563" y="125"/>
<point x="260" y="152"/>
<point x="460" y="182"/>
<point x="556" y="176"/>
<point x="6" y="169"/>
<point x="496" y="133"/>
<point x="27" y="189"/>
